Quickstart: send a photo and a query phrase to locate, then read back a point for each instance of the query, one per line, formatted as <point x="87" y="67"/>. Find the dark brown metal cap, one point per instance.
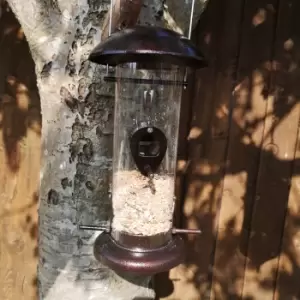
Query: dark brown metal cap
<point x="143" y="44"/>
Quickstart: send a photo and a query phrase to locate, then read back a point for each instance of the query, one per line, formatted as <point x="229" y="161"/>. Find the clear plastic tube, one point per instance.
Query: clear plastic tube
<point x="144" y="205"/>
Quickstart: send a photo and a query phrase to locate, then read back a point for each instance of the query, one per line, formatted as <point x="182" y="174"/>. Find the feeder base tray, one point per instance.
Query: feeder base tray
<point x="123" y="259"/>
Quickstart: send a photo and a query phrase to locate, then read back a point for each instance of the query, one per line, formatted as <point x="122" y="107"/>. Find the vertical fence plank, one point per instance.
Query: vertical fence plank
<point x="273" y="184"/>
<point x="218" y="36"/>
<point x="162" y="284"/>
<point x="246" y="135"/>
<point x="287" y="78"/>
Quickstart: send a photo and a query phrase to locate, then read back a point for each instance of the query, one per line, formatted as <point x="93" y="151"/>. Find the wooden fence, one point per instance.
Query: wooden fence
<point x="20" y="124"/>
<point x="239" y="165"/>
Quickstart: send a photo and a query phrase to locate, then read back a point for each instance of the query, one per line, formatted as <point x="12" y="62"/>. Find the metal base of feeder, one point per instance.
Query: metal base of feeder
<point x="142" y="255"/>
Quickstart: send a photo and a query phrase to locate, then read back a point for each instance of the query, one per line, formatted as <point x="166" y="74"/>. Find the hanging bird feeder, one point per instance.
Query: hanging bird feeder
<point x="149" y="76"/>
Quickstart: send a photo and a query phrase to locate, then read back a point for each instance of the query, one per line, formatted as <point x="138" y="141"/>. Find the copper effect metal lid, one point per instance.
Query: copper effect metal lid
<point x="143" y="44"/>
<point x="137" y="256"/>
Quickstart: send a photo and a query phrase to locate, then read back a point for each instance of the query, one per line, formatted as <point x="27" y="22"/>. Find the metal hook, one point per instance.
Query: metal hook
<point x="110" y="25"/>
<point x="190" y="31"/>
<point x="191" y="19"/>
<point x="110" y="17"/>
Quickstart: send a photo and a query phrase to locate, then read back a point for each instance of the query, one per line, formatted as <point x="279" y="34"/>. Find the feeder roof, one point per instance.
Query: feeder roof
<point x="144" y="44"/>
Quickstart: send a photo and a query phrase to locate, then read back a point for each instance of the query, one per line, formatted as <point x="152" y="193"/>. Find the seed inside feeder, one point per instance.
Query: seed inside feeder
<point x="142" y="206"/>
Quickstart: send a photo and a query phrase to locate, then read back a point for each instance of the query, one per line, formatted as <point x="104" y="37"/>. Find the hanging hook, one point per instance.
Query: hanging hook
<point x="110" y="17"/>
<point x="110" y="25"/>
<point x="190" y="33"/>
<point x="191" y="19"/>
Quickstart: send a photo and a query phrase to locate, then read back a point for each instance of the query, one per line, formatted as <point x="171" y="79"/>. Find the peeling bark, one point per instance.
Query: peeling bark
<point x="77" y="129"/>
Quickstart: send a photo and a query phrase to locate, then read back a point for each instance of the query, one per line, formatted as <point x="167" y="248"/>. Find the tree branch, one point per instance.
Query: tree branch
<point x="125" y="13"/>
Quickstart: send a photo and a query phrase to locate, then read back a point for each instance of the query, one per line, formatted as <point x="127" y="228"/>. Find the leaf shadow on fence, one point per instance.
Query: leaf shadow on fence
<point x="256" y="245"/>
<point x="20" y="103"/>
<point x="20" y="130"/>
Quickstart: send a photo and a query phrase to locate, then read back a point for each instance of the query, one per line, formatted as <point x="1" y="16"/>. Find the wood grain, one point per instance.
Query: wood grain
<point x="273" y="182"/>
<point x="260" y="189"/>
<point x="19" y="163"/>
<point x="217" y="35"/>
<point x="246" y="135"/>
<point x="286" y="83"/>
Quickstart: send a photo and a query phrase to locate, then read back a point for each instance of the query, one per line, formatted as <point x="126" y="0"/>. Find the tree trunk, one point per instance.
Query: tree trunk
<point x="77" y="129"/>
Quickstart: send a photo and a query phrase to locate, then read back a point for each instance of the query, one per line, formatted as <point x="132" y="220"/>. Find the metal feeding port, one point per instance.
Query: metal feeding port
<point x="148" y="146"/>
<point x="149" y="75"/>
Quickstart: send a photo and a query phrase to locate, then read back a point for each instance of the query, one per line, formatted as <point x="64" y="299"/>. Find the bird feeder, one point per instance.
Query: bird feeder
<point x="150" y="65"/>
